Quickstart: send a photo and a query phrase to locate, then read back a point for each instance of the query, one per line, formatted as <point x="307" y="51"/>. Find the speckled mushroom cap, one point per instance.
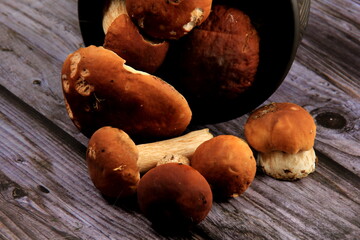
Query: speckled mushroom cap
<point x="227" y="163"/>
<point x="100" y="90"/>
<point x="168" y="19"/>
<point x="111" y="157"/>
<point x="285" y="127"/>
<point x="174" y="196"/>
<point x="218" y="60"/>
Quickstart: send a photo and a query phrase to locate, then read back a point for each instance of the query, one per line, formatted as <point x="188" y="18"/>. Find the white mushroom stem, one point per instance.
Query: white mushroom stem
<point x="115" y="9"/>
<point x="285" y="166"/>
<point x="174" y="158"/>
<point x="151" y="153"/>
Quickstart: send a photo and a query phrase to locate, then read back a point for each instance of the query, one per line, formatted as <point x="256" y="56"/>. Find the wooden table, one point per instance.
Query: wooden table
<point x="45" y="191"/>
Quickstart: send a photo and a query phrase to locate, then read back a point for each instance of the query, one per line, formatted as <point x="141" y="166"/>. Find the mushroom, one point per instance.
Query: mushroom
<point x="112" y="9"/>
<point x="284" y="135"/>
<point x="169" y="19"/>
<point x="124" y="38"/>
<point x="174" y="196"/>
<point x="218" y="60"/>
<point x="115" y="162"/>
<point x="100" y="90"/>
<point x="227" y="163"/>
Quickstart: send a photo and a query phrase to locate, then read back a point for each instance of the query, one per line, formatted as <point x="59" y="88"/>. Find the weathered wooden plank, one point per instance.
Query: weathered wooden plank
<point x="331" y="44"/>
<point x="46" y="193"/>
<point x="35" y="39"/>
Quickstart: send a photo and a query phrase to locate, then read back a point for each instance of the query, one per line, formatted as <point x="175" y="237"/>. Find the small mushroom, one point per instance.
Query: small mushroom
<point x="227" y="163"/>
<point x="115" y="162"/>
<point x="100" y="90"/>
<point x="284" y="135"/>
<point x="124" y="38"/>
<point x="169" y="19"/>
<point x="174" y="196"/>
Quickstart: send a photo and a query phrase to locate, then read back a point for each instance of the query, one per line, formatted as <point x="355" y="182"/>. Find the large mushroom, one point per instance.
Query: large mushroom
<point x="284" y="135"/>
<point x="169" y="19"/>
<point x="100" y="90"/>
<point x="227" y="163"/>
<point x="174" y="196"/>
<point x="123" y="37"/>
<point x="218" y="60"/>
<point x="115" y="162"/>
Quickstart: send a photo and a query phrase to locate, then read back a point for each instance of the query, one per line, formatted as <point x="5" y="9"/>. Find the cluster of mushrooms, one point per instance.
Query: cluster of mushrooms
<point x="118" y="105"/>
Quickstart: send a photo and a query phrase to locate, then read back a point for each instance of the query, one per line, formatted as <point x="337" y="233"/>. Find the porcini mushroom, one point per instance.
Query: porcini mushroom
<point x="170" y="19"/>
<point x="124" y="38"/>
<point x="218" y="60"/>
<point x="174" y="196"/>
<point x="227" y="163"/>
<point x="115" y="162"/>
<point x="100" y="90"/>
<point x="284" y="135"/>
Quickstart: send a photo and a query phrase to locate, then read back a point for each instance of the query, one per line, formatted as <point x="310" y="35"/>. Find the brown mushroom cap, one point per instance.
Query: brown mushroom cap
<point x="168" y="19"/>
<point x="124" y="38"/>
<point x="227" y="163"/>
<point x="174" y="196"/>
<point x="218" y="60"/>
<point x="100" y="90"/>
<point x="285" y="127"/>
<point x="111" y="157"/>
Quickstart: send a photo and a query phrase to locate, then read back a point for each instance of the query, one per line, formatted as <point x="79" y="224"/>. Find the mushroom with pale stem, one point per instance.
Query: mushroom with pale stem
<point x="227" y="163"/>
<point x="115" y="162"/>
<point x="284" y="135"/>
<point x="100" y="90"/>
<point x="174" y="196"/>
<point x="170" y="19"/>
<point x="123" y="37"/>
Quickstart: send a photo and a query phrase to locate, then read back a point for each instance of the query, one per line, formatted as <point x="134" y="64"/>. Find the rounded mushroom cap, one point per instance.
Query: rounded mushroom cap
<point x="220" y="57"/>
<point x="227" y="163"/>
<point x="285" y="127"/>
<point x="174" y="196"/>
<point x="124" y="38"/>
<point x="111" y="157"/>
<point x="100" y="90"/>
<point x="168" y="19"/>
<point x="215" y="64"/>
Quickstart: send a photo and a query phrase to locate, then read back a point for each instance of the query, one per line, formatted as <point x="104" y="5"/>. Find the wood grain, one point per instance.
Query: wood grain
<point x="45" y="191"/>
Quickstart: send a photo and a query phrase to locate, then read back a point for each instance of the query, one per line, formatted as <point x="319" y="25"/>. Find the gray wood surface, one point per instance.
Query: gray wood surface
<point x="45" y="191"/>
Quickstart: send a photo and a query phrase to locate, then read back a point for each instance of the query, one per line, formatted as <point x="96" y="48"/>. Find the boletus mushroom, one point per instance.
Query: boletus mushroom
<point x="100" y="90"/>
<point x="216" y="62"/>
<point x="284" y="135"/>
<point x="227" y="163"/>
<point x="123" y="37"/>
<point x="168" y="19"/>
<point x="115" y="162"/>
<point x="174" y="196"/>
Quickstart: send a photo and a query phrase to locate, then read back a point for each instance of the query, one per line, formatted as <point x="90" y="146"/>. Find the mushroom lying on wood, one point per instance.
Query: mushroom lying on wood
<point x="284" y="135"/>
<point x="227" y="163"/>
<point x="100" y="90"/>
<point x="124" y="38"/>
<point x="115" y="162"/>
<point x="170" y="19"/>
<point x="174" y="196"/>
